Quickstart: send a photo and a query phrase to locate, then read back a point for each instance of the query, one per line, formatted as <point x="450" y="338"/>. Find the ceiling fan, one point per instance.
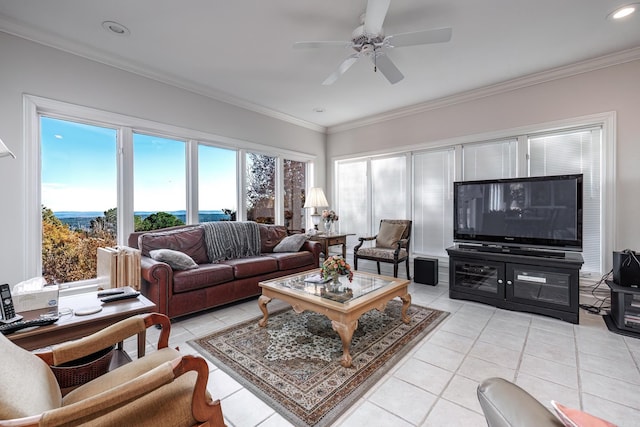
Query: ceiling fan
<point x="369" y="40"/>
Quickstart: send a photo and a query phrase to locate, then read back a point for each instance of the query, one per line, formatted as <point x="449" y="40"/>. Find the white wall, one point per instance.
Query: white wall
<point x="615" y="88"/>
<point x="30" y="68"/>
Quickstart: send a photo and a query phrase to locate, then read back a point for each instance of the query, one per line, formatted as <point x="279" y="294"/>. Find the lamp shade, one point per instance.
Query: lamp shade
<point x="4" y="151"/>
<point x="315" y="198"/>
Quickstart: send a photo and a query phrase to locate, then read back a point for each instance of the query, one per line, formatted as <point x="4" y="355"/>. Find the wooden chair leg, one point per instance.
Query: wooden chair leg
<point x="355" y="262"/>
<point x="395" y="269"/>
<point x="408" y="275"/>
<point x="378" y="263"/>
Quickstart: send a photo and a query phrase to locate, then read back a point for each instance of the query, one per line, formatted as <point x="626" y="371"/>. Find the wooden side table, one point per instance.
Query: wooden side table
<point x="72" y="327"/>
<point x="331" y="240"/>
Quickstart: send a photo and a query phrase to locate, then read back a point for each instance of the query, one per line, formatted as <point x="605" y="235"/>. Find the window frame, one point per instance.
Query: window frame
<point x="606" y="120"/>
<point x="34" y="107"/>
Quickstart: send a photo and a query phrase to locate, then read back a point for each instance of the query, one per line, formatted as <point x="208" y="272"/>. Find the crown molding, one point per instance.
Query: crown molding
<point x="48" y="39"/>
<point x="586" y="66"/>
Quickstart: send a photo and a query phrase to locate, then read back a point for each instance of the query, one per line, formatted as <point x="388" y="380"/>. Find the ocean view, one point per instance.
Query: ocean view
<point x="82" y="220"/>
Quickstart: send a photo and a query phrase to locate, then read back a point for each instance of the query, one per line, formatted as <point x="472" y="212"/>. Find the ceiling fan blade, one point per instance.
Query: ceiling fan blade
<point x="346" y="64"/>
<point x="439" y="35"/>
<point x="374" y="16"/>
<point x="321" y="44"/>
<point x="386" y="67"/>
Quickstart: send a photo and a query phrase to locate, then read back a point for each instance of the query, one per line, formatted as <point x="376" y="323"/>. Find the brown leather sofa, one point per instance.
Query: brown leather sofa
<point x="181" y="292"/>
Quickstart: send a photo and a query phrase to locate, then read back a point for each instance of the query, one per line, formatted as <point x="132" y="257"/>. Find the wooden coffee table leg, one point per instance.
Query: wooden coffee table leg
<point x="262" y="303"/>
<point x="346" y="333"/>
<point x="406" y="302"/>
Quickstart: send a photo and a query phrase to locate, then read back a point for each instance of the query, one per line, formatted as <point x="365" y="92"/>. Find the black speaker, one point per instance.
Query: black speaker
<point x="626" y="268"/>
<point x="425" y="271"/>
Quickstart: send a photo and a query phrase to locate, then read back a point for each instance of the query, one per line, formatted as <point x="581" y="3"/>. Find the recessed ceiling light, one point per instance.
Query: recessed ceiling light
<point x="115" y="28"/>
<point x="318" y="110"/>
<point x="623" y="11"/>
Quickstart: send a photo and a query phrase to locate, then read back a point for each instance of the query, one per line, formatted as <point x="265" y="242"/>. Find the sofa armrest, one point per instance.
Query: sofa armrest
<point x="157" y="282"/>
<point x="315" y="248"/>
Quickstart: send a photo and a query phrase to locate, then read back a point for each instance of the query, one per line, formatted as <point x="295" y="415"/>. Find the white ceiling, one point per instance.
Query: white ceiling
<point x="240" y="51"/>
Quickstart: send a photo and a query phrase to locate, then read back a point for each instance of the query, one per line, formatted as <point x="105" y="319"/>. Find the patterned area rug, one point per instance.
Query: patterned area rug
<point x="293" y="364"/>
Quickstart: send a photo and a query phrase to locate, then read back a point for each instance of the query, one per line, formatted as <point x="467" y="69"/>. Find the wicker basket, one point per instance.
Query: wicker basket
<point x="83" y="370"/>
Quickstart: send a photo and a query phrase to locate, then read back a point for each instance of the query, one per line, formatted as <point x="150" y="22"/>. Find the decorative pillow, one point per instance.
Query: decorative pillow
<point x="177" y="260"/>
<point x="575" y="418"/>
<point x="389" y="234"/>
<point x="291" y="243"/>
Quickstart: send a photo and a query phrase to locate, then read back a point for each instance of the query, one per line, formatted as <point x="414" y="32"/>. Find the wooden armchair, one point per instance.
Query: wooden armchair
<point x="160" y="389"/>
<point x="391" y="245"/>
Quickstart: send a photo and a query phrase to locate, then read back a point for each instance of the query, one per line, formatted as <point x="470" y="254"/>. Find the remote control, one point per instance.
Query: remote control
<point x="108" y="292"/>
<point x="120" y="297"/>
<point x="8" y="328"/>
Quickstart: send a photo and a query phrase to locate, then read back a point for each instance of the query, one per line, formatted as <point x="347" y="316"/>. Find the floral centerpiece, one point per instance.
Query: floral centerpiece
<point x="329" y="217"/>
<point x="336" y="266"/>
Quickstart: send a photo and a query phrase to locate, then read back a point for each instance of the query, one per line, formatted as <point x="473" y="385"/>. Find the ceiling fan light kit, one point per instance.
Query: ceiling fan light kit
<point x="369" y="40"/>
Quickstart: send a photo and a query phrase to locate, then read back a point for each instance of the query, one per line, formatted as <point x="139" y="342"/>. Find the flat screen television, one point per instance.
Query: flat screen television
<point x="536" y="212"/>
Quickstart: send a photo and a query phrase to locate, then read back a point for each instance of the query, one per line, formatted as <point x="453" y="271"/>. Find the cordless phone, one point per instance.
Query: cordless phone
<point x="6" y="305"/>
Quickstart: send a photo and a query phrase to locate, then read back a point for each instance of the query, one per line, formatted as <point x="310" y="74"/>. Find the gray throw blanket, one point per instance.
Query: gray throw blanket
<point x="231" y="239"/>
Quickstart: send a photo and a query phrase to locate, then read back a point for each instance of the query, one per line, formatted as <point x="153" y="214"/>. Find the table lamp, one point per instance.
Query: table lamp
<point x="315" y="199"/>
<point x="4" y="151"/>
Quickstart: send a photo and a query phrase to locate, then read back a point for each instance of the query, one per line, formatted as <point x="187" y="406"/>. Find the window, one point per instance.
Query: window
<point x="489" y="160"/>
<point x="388" y="189"/>
<point x="159" y="182"/>
<point x="433" y="173"/>
<point x="217" y="184"/>
<point x="351" y="185"/>
<point x="294" y="175"/>
<point x="100" y="175"/>
<point x="574" y="146"/>
<point x="568" y="152"/>
<point x="78" y="197"/>
<point x="261" y="188"/>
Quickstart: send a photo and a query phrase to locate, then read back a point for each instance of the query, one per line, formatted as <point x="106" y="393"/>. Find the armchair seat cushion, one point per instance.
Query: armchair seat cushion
<point x="204" y="276"/>
<point x="146" y="411"/>
<point x="384" y="253"/>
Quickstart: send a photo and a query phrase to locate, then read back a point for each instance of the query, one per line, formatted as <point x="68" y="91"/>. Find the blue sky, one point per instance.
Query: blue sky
<point x="79" y="170"/>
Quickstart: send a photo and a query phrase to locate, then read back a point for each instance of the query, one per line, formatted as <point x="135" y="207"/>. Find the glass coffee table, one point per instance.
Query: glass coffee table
<point x="343" y="304"/>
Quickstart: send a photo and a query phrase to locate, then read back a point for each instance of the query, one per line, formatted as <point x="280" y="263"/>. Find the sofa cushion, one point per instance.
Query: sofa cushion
<point x="291" y="243"/>
<point x="291" y="260"/>
<point x="203" y="277"/>
<point x="177" y="260"/>
<point x="270" y="236"/>
<point x="252" y="266"/>
<point x="189" y="241"/>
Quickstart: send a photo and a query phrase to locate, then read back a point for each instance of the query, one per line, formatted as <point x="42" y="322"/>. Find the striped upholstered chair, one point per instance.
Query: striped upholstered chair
<point x="391" y="245"/>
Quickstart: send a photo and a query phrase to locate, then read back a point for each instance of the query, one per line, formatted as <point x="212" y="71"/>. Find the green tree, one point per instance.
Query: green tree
<point x="156" y="221"/>
<point x="71" y="255"/>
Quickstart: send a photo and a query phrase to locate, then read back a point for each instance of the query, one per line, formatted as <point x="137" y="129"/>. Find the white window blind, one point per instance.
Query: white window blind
<point x="433" y="176"/>
<point x="388" y="189"/>
<point x="352" y="197"/>
<point x="489" y="160"/>
<point x="569" y="152"/>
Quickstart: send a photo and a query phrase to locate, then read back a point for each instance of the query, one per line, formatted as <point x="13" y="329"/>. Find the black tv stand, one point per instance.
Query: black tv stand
<point x="514" y="281"/>
<point x="513" y="250"/>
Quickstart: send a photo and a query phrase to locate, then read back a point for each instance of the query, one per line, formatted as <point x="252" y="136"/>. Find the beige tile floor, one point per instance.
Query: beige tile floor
<point x="582" y="366"/>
